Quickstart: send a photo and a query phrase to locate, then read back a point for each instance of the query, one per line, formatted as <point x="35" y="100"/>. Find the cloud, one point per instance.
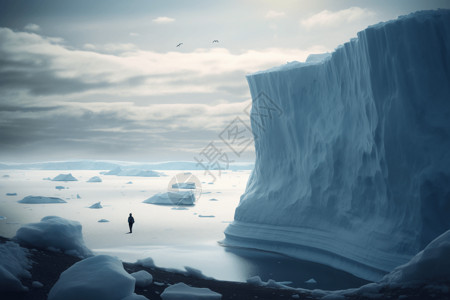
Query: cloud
<point x="43" y="66"/>
<point x="328" y="18"/>
<point x="163" y="20"/>
<point x="32" y="27"/>
<point x="272" y="14"/>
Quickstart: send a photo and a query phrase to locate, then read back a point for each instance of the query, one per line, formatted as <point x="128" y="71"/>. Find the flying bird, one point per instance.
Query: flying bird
<point x="179" y="44"/>
<point x="215" y="41"/>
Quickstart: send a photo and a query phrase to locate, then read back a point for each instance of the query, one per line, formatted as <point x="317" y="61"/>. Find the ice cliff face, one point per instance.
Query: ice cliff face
<point x="353" y="152"/>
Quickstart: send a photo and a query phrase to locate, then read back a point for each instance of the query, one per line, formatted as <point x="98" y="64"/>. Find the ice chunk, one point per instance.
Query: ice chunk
<point x="97" y="277"/>
<point x="430" y="264"/>
<point x="143" y="278"/>
<point x="11" y="194"/>
<point x="206" y="216"/>
<point x="172" y="198"/>
<point x="64" y="177"/>
<point x="352" y="167"/>
<point x="14" y="263"/>
<point x="41" y="200"/>
<point x="56" y="233"/>
<point x="311" y="281"/>
<point x="59" y="187"/>
<point x="184" y="185"/>
<point x="95" y="179"/>
<point x="96" y="205"/>
<point x="181" y="291"/>
<point x="78" y="196"/>
<point x="146" y="262"/>
<point x="103" y="221"/>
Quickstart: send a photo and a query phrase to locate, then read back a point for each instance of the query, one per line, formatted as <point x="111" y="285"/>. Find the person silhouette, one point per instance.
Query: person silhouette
<point x="130" y="223"/>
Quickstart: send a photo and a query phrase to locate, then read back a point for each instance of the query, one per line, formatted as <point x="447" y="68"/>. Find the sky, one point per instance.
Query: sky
<point x="105" y="79"/>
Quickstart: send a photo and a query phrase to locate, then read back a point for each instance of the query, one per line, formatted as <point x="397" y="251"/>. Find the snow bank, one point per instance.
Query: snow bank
<point x="41" y="200"/>
<point x="54" y="233"/>
<point x="94" y="278"/>
<point x="95" y="179"/>
<point x="143" y="278"/>
<point x="96" y="205"/>
<point x="181" y="291"/>
<point x="64" y="177"/>
<point x="14" y="264"/>
<point x="352" y="164"/>
<point x="172" y="198"/>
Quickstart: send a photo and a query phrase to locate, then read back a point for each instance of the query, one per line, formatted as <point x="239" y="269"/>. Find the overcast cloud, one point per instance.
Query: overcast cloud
<point x="108" y="82"/>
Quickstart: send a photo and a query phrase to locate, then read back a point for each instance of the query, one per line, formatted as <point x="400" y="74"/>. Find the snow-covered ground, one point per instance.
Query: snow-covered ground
<point x="174" y="236"/>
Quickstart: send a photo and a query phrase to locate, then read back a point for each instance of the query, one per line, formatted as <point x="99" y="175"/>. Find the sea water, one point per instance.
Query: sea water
<point x="174" y="236"/>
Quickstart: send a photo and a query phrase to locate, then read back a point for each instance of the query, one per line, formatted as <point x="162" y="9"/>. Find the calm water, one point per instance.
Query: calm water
<point x="174" y="238"/>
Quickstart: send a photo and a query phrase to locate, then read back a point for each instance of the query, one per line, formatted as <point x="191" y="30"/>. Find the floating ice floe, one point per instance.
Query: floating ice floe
<point x="256" y="280"/>
<point x="206" y="216"/>
<point x="11" y="194"/>
<point x="78" y="196"/>
<point x="96" y="205"/>
<point x="64" y="177"/>
<point x="103" y="221"/>
<point x="59" y="187"/>
<point x="172" y="198"/>
<point x="181" y="291"/>
<point x="54" y="233"/>
<point x="41" y="200"/>
<point x="95" y="179"/>
<point x="97" y="277"/>
<point x="184" y="185"/>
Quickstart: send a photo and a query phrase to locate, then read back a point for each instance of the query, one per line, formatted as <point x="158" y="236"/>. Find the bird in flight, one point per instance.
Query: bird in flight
<point x="215" y="41"/>
<point x="179" y="44"/>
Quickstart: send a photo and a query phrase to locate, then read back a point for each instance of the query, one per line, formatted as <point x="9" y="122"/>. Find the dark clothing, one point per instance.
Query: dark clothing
<point x="130" y="223"/>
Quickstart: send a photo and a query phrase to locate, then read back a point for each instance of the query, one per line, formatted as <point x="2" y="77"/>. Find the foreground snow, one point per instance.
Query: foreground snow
<point x="352" y="167"/>
<point x="54" y="233"/>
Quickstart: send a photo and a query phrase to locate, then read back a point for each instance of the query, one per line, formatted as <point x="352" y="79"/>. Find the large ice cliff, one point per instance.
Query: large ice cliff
<point x="353" y="150"/>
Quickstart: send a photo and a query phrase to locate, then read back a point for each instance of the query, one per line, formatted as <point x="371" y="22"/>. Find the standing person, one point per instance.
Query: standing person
<point x="130" y="223"/>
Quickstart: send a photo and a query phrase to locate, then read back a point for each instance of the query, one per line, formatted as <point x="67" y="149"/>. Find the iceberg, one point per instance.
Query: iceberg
<point x="41" y="200"/>
<point x="54" y="233"/>
<point x="352" y="164"/>
<point x="94" y="179"/>
<point x="64" y="177"/>
<point x="172" y="198"/>
<point x="96" y="205"/>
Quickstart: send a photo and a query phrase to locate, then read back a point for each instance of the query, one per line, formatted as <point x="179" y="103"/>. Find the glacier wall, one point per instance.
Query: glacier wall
<point x="353" y="151"/>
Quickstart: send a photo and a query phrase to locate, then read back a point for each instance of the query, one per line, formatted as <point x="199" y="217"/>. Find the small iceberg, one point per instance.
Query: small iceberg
<point x="184" y="185"/>
<point x="96" y="205"/>
<point x="78" y="196"/>
<point x="311" y="281"/>
<point x="64" y="177"/>
<point x="11" y="194"/>
<point x="172" y="198"/>
<point x="103" y="220"/>
<point x="95" y="179"/>
<point x="206" y="216"/>
<point x="59" y="187"/>
<point x="41" y="200"/>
